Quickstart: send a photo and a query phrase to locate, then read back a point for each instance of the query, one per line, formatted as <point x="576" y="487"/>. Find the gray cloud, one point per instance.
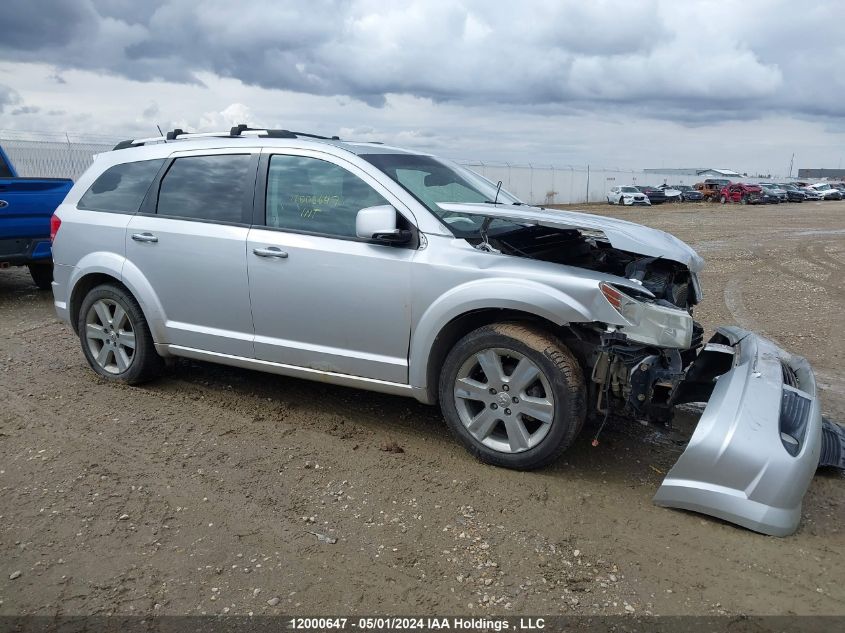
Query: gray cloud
<point x="8" y="97"/>
<point x="691" y="62"/>
<point x="151" y="111"/>
<point x="26" y="110"/>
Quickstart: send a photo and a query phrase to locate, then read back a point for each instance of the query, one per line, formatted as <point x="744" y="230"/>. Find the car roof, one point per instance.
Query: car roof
<point x="244" y="137"/>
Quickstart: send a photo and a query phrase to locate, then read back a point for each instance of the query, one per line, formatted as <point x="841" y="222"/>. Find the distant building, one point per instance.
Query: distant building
<point x="703" y="172"/>
<point x="837" y="174"/>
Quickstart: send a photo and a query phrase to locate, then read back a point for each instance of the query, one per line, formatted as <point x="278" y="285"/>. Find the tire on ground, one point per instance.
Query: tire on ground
<point x="42" y="275"/>
<point x="562" y="371"/>
<point x="146" y="363"/>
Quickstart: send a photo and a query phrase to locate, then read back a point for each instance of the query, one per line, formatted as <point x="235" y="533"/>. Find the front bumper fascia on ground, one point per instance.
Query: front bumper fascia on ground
<point x="756" y="447"/>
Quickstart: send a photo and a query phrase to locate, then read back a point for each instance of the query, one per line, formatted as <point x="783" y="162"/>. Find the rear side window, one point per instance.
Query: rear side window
<point x="210" y="188"/>
<point x="121" y="189"/>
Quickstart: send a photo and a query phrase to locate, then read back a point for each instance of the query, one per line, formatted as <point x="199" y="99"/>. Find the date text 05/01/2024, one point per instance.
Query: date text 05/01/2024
<point x="417" y="623"/>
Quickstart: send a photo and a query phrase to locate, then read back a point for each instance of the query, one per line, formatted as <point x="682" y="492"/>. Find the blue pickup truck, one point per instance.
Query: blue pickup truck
<point x="26" y="206"/>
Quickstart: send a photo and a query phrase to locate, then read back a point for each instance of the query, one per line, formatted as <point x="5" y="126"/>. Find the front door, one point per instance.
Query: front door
<point x="322" y="298"/>
<point x="189" y="243"/>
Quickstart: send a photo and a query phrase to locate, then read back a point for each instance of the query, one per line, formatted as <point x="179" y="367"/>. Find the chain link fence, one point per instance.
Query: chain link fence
<point x="52" y="155"/>
<point x="69" y="155"/>
<point x="570" y="184"/>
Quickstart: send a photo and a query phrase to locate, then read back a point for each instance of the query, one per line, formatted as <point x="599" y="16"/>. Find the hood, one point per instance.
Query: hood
<point x="623" y="235"/>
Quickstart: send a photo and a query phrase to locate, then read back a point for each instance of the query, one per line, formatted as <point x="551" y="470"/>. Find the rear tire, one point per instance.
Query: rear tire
<point x="42" y="275"/>
<point x="116" y="340"/>
<point x="491" y="415"/>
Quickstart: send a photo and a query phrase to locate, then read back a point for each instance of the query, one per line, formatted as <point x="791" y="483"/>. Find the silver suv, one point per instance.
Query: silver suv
<point x="370" y="266"/>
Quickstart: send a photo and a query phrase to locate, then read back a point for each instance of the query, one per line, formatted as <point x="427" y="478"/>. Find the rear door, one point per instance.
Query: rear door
<point x="189" y="243"/>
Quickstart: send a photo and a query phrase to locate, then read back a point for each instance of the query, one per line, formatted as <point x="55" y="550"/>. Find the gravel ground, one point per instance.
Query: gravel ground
<point x="215" y="490"/>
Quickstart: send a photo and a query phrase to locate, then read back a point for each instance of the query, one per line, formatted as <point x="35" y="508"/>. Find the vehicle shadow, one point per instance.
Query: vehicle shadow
<point x="626" y="449"/>
<point x="16" y="282"/>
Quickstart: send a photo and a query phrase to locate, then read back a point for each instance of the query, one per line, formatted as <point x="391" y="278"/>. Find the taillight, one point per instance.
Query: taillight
<point x="55" y="223"/>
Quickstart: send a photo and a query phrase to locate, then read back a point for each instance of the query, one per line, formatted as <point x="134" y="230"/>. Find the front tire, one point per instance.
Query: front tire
<point x="513" y="395"/>
<point x="116" y="340"/>
<point x="42" y="275"/>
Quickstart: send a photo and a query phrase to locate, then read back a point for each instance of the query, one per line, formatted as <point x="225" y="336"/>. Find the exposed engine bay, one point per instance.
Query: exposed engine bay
<point x="667" y="280"/>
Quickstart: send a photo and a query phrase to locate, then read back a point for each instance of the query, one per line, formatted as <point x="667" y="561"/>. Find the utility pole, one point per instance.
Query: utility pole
<point x="791" y="161"/>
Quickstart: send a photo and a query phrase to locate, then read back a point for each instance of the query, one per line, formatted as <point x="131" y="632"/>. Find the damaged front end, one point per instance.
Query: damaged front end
<point x="756" y="447"/>
<point x="758" y="442"/>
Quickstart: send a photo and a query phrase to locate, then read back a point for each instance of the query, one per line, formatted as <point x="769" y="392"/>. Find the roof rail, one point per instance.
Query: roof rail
<point x="239" y="131"/>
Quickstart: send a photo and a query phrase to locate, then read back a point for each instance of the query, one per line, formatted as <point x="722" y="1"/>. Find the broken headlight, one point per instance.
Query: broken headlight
<point x="650" y="322"/>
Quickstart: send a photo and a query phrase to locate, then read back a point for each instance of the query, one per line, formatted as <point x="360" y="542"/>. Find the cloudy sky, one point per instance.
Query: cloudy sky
<point x="630" y="83"/>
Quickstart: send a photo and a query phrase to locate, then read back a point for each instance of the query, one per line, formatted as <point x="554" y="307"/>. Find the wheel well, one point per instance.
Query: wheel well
<point x="82" y="287"/>
<point x="462" y="325"/>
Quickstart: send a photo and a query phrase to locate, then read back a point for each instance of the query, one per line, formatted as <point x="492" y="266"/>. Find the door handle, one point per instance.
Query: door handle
<point x="270" y="251"/>
<point x="144" y="237"/>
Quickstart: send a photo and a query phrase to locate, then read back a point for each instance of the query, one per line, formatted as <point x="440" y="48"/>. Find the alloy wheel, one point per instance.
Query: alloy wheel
<point x="504" y="400"/>
<point x="110" y="336"/>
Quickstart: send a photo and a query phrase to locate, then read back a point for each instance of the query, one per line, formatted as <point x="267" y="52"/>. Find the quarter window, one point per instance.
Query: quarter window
<point x="121" y="188"/>
<point x="315" y="196"/>
<point x="211" y="188"/>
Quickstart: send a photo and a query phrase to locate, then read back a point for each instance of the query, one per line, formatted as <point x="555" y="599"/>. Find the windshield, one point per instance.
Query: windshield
<point x="630" y="190"/>
<point x="681" y="187"/>
<point x="431" y="180"/>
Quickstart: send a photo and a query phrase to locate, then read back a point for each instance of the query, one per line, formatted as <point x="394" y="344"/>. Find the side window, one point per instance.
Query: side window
<point x="209" y="188"/>
<point x="121" y="188"/>
<point x="312" y="195"/>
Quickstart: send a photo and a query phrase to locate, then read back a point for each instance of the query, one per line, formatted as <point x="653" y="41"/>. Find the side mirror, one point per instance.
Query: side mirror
<point x="379" y="224"/>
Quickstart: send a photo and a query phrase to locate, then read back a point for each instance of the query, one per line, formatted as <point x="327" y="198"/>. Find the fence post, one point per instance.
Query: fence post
<point x="588" y="184"/>
<point x="530" y="183"/>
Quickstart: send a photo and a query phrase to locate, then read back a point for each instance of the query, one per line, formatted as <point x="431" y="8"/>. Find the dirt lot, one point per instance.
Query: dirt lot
<point x="205" y="491"/>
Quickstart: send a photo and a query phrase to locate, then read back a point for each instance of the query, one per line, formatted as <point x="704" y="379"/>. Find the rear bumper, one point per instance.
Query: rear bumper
<point x="61" y="283"/>
<point x="24" y="250"/>
<point x="756" y="448"/>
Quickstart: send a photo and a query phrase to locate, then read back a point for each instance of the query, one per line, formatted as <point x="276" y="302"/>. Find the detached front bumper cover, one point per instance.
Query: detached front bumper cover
<point x="756" y="446"/>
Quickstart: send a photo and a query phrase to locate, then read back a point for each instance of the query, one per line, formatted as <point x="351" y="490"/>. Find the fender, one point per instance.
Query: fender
<point x="102" y="262"/>
<point x="142" y="290"/>
<point x="497" y="292"/>
<point x="129" y="275"/>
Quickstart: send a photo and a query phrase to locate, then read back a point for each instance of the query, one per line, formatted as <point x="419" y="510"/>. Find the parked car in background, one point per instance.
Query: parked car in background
<point x="811" y="194"/>
<point x="518" y="321"/>
<point x="672" y="194"/>
<point x="654" y="195"/>
<point x="793" y="193"/>
<point x="826" y="191"/>
<point x="688" y="193"/>
<point x="742" y="193"/>
<point x="770" y="195"/>
<point x="26" y="205"/>
<point x="839" y="187"/>
<point x="627" y="196"/>
<point x="710" y="190"/>
<point x="776" y="190"/>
